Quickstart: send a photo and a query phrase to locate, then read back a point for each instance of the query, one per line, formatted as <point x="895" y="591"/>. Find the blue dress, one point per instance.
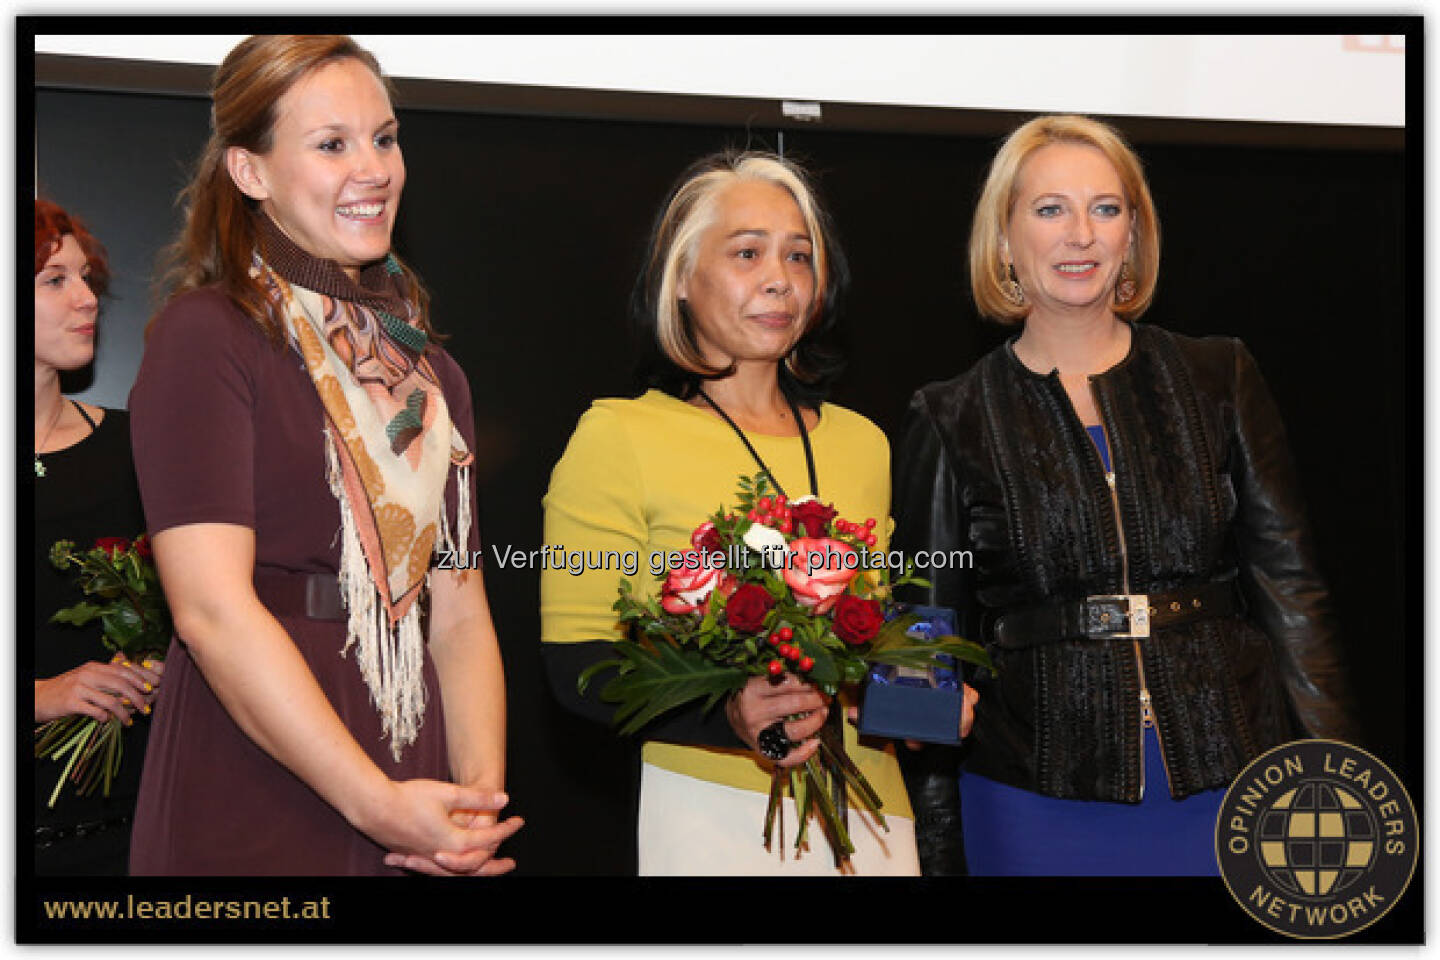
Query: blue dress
<point x="1014" y="832"/>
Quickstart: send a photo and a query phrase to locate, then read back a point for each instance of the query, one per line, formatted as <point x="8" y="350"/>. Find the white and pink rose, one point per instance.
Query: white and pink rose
<point x="690" y="583"/>
<point x="819" y="570"/>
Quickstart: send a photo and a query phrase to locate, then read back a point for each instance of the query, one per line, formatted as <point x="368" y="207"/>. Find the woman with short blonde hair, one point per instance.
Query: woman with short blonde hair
<point x="1144" y="577"/>
<point x="990" y="273"/>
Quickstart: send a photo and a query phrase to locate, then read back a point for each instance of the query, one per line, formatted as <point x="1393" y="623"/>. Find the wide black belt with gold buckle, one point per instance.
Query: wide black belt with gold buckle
<point x="1114" y="616"/>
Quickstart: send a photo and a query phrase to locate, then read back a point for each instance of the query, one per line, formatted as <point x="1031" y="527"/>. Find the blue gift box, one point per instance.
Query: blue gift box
<point x="905" y="703"/>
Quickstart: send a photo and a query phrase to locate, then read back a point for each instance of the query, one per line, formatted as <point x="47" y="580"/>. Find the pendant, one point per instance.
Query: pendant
<point x="39" y="468"/>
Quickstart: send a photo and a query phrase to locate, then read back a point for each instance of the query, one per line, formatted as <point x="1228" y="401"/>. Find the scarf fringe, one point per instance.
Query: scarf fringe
<point x="462" y="515"/>
<point x="391" y="660"/>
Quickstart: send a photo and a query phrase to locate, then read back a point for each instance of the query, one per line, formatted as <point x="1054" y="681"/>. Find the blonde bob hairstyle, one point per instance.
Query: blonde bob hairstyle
<point x="988" y="269"/>
<point x="688" y="211"/>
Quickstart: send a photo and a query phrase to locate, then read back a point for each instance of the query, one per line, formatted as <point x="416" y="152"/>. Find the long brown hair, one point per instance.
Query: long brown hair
<point x="218" y="241"/>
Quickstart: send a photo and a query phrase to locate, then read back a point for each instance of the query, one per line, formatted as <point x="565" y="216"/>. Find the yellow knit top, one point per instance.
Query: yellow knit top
<point x="637" y="477"/>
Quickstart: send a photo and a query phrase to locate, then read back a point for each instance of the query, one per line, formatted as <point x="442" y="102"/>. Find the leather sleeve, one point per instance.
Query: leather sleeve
<point x="927" y="510"/>
<point x="1286" y="594"/>
<point x="688" y="724"/>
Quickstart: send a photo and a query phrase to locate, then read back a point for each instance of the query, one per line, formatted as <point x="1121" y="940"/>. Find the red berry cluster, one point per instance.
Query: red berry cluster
<point x="791" y="653"/>
<point x="864" y="532"/>
<point x="773" y="512"/>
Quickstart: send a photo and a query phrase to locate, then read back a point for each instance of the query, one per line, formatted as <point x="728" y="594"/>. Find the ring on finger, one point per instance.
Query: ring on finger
<point x="773" y="742"/>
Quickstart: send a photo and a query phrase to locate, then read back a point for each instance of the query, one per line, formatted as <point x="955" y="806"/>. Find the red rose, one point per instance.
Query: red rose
<point x="706" y="538"/>
<point x="142" y="547"/>
<point x="747" y="606"/>
<point x="112" y="544"/>
<point x="689" y="583"/>
<point x="811" y="518"/>
<point x="857" y="620"/>
<point x="818" y="570"/>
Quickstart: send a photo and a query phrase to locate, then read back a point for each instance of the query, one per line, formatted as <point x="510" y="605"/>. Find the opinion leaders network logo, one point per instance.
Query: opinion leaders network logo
<point x="1317" y="839"/>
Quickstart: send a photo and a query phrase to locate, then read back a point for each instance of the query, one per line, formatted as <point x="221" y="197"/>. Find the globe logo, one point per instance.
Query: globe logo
<point x="1317" y="839"/>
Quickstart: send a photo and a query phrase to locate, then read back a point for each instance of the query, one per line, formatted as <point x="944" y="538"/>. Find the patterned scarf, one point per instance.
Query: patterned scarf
<point x="390" y="445"/>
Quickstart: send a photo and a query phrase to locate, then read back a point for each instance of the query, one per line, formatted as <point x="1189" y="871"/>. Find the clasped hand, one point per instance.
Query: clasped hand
<point x="444" y="829"/>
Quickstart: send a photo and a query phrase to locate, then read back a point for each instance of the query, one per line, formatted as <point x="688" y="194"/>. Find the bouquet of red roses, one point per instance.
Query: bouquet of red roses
<point x="769" y="588"/>
<point x="134" y="623"/>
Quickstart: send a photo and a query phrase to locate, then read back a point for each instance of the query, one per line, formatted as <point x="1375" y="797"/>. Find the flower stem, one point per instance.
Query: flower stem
<point x="802" y="808"/>
<point x="75" y="745"/>
<point x="777" y="795"/>
<point x="829" y="816"/>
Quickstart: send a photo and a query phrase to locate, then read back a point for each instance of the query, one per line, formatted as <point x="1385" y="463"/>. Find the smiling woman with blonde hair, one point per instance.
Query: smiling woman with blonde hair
<point x="303" y="448"/>
<point x="1144" y="578"/>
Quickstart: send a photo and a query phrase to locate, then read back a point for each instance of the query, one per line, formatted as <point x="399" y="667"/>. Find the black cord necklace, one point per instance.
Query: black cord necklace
<point x="804" y="440"/>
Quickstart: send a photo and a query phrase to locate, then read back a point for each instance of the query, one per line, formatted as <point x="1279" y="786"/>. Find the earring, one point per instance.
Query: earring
<point x="1125" y="289"/>
<point x="1010" y="286"/>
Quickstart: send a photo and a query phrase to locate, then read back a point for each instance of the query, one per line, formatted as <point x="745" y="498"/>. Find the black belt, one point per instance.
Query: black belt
<point x="1115" y="616"/>
<point x="49" y="836"/>
<point x="313" y="595"/>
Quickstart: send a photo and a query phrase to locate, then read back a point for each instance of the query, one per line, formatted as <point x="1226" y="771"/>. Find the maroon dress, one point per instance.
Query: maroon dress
<point x="227" y="428"/>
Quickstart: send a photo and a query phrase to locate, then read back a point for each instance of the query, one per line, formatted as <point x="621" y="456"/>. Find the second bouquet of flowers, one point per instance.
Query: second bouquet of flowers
<point x="120" y="578"/>
<point x="768" y="588"/>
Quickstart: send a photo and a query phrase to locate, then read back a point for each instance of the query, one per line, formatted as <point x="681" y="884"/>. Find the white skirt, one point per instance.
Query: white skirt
<point x="692" y="827"/>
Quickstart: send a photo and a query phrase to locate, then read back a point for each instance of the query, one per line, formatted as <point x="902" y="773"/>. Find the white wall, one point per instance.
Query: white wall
<point x="1306" y="79"/>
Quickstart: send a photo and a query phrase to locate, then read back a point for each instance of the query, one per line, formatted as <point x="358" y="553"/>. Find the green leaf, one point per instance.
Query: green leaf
<point x="775" y="585"/>
<point x="61" y="554"/>
<point x="582" y="682"/>
<point x="79" y="615"/>
<point x="921" y="654"/>
<point x="826" y="670"/>
<point x="106" y="579"/>
<point x="852" y="671"/>
<point x="895" y="632"/>
<point x="712" y="607"/>
<point x="121" y="624"/>
<point x="660" y="678"/>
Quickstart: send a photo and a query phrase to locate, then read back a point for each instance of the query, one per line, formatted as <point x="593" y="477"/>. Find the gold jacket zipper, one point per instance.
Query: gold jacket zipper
<point x="1147" y="710"/>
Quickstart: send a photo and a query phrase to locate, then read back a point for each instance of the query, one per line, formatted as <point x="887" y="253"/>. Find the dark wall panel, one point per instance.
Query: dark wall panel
<point x="118" y="161"/>
<point x="529" y="231"/>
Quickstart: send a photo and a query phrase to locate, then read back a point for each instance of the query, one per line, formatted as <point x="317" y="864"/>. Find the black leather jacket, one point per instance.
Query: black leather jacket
<point x="996" y="462"/>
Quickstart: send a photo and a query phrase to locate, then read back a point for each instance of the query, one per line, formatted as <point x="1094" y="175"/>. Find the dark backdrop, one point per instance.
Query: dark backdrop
<point x="528" y="231"/>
